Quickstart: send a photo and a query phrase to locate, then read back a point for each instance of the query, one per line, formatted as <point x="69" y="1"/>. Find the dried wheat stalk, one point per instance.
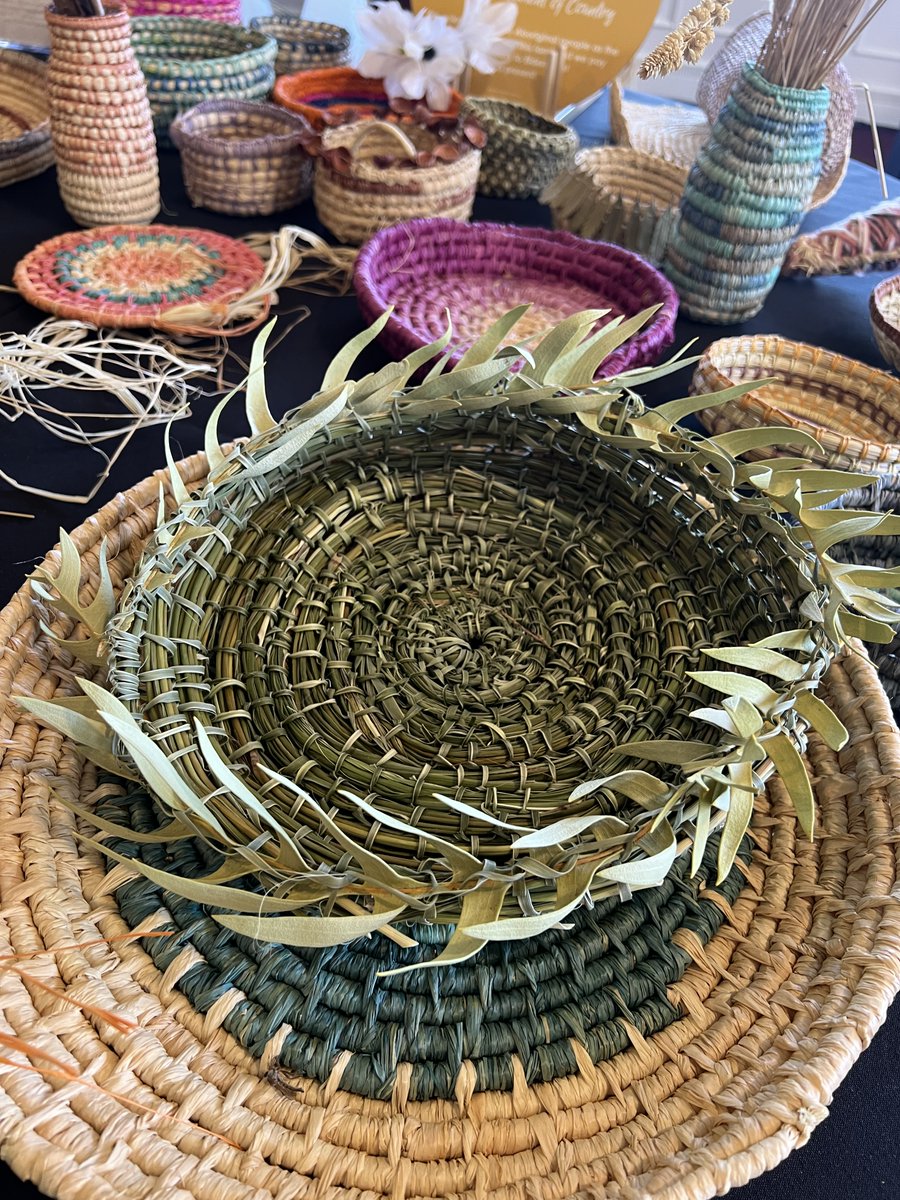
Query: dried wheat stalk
<point x="809" y="38"/>
<point x="687" y="42"/>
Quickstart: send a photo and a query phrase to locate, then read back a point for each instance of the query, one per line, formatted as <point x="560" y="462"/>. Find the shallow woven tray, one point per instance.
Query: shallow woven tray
<point x="186" y="60"/>
<point x="243" y="157"/>
<point x="851" y="409"/>
<point x="524" y="151"/>
<point x="616" y="194"/>
<point x="304" y="45"/>
<point x="481" y="271"/>
<point x="672" y="1088"/>
<point x="25" y="145"/>
<point x="884" y="311"/>
<point x="340" y="92"/>
<point x="123" y="277"/>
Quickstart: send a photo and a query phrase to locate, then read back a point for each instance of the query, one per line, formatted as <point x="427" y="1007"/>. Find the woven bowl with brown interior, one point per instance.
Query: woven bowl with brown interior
<point x="884" y="312"/>
<point x="340" y="92"/>
<point x="25" y="145"/>
<point x="243" y="158"/>
<point x="852" y="410"/>
<point x="616" y="194"/>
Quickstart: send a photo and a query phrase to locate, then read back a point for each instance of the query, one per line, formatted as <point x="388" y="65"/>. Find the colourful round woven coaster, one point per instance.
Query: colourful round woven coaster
<point x="122" y="277"/>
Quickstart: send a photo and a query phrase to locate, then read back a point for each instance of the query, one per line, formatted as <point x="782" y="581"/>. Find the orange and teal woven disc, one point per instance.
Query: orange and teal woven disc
<point x="130" y="277"/>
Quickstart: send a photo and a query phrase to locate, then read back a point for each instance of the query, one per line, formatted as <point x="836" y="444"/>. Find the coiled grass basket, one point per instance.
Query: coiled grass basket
<point x="431" y="610"/>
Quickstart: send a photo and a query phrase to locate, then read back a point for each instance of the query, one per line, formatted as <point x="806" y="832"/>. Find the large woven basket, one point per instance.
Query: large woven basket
<point x="429" y="270"/>
<point x="304" y="45"/>
<point x="25" y="145"/>
<point x="243" y="157"/>
<point x="367" y="191"/>
<point x="333" y="94"/>
<point x="672" y="1046"/>
<point x="884" y="311"/>
<point x="186" y="60"/>
<point x="616" y="194"/>
<point x="524" y="151"/>
<point x="852" y="410"/>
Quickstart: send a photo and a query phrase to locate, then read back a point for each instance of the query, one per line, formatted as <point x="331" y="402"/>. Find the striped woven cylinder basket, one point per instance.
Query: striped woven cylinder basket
<point x="745" y="198"/>
<point x="100" y="121"/>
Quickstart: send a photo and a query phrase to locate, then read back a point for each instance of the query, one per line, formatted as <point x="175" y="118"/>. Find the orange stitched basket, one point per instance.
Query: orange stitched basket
<point x="340" y="91"/>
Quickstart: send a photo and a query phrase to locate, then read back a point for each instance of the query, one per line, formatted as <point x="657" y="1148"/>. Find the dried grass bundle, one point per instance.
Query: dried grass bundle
<point x="809" y="38"/>
<point x="688" y="41"/>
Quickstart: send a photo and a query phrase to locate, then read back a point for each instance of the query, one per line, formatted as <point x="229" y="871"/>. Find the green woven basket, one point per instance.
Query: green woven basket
<point x="524" y="151"/>
<point x="186" y="60"/>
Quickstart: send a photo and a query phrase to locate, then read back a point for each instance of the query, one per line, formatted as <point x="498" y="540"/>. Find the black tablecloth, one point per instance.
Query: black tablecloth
<point x="854" y="1155"/>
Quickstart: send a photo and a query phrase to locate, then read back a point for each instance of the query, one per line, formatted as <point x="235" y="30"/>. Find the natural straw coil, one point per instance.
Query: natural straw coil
<point x="794" y="979"/>
<point x="616" y="194"/>
<point x="25" y="145"/>
<point x="884" y="312"/>
<point x="242" y="157"/>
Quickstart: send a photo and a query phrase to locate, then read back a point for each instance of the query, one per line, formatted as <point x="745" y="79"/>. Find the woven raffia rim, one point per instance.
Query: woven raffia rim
<point x="476" y="272"/>
<point x="25" y="145"/>
<point x="775" y="1009"/>
<point x="524" y="151"/>
<point x="884" y="312"/>
<point x="851" y="409"/>
<point x="342" y="91"/>
<point x="243" y="157"/>
<point x="616" y="194"/>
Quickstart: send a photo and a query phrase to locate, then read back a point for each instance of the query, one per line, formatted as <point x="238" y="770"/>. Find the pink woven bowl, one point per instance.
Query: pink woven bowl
<point x="478" y="272"/>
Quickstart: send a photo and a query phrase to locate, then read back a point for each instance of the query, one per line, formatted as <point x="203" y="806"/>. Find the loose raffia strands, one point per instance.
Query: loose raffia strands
<point x="688" y="40"/>
<point x="524" y="152"/>
<point x="884" y="310"/>
<point x="150" y="383"/>
<point x="477" y="273"/>
<point x="242" y="157"/>
<point x="868" y="241"/>
<point x="809" y="38"/>
<point x="615" y="194"/>
<point x="408" y="566"/>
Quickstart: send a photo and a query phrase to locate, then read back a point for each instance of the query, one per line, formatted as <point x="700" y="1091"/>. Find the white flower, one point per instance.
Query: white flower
<point x="483" y="27"/>
<point x="416" y="55"/>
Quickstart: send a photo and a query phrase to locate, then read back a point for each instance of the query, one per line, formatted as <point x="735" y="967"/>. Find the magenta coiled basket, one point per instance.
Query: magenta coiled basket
<point x="477" y="272"/>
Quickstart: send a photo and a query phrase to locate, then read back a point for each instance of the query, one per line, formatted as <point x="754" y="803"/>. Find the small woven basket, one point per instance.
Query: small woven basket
<point x="186" y="60"/>
<point x="100" y="121"/>
<point x="340" y="92"/>
<point x="227" y="11"/>
<point x="242" y="157"/>
<point x="616" y="194"/>
<point x="374" y="190"/>
<point x="524" y="151"/>
<point x="25" y="145"/>
<point x="671" y="132"/>
<point x="304" y="45"/>
<point x="884" y="311"/>
<point x="852" y="410"/>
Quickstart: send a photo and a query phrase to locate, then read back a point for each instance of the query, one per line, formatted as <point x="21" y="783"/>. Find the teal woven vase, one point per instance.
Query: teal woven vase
<point x="745" y="197"/>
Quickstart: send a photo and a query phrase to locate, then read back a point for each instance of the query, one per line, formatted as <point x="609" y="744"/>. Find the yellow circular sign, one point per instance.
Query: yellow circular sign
<point x="566" y="49"/>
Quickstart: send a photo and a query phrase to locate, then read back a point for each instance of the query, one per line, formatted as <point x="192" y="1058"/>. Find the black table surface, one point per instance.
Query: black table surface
<point x="854" y="1155"/>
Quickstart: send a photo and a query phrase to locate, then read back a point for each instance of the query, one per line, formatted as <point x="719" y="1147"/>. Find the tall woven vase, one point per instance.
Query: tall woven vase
<point x="745" y="198"/>
<point x="100" y="121"/>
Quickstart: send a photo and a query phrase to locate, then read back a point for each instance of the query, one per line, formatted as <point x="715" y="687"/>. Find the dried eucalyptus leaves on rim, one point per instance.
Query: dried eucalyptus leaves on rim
<point x="476" y="650"/>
